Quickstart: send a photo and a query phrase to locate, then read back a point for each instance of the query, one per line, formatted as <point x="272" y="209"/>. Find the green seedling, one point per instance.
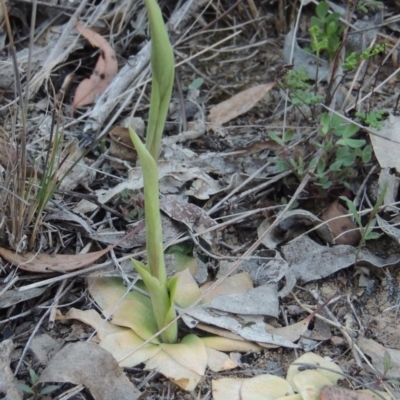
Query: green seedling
<point x="196" y="84"/>
<point x="325" y="31"/>
<point x="367" y="231"/>
<point x="341" y="153"/>
<point x="300" y="91"/>
<point x="354" y="59"/>
<point x="374" y="119"/>
<point x="34" y="389"/>
<point x="366" y="6"/>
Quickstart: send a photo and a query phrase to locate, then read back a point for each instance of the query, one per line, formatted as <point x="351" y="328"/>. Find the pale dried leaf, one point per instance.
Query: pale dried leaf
<point x="376" y="352"/>
<point x="11" y="297"/>
<point x="340" y="393"/>
<point x="234" y="284"/>
<point x="292" y="332"/>
<point x="292" y="224"/>
<point x="238" y="104"/>
<point x="265" y="387"/>
<point x="183" y="363"/>
<point x="103" y="74"/>
<point x="218" y="361"/>
<point x="386" y="143"/>
<point x="121" y="145"/>
<point x="309" y="261"/>
<point x="344" y="230"/>
<point x="309" y="384"/>
<point x="262" y="300"/>
<point x="7" y="380"/>
<point x="251" y="328"/>
<point x="311" y="358"/>
<point x="88" y="364"/>
<point x="194" y="217"/>
<point x="48" y="263"/>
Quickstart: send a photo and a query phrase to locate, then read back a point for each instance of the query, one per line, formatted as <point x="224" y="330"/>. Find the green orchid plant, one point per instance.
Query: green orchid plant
<point x="134" y="318"/>
<point x="154" y="274"/>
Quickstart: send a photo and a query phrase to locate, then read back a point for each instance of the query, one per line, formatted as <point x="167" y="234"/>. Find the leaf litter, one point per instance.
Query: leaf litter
<point x="301" y="247"/>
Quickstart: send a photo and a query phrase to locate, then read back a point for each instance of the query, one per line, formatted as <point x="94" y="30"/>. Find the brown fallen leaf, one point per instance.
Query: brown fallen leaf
<point x="104" y="72"/>
<point x="47" y="263"/>
<point x="340" y="393"/>
<point x="344" y="230"/>
<point x="238" y="104"/>
<point x="121" y="144"/>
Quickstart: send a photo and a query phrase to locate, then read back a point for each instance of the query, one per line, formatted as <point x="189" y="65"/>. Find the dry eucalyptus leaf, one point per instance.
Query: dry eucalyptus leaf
<point x="386" y="143"/>
<point x="344" y="230"/>
<point x="309" y="261"/>
<point x="376" y="353"/>
<point x="238" y="104"/>
<point x="104" y="72"/>
<point x="7" y="380"/>
<point x="390" y="181"/>
<point x="292" y="224"/>
<point x="291" y="332"/>
<point x="261" y="387"/>
<point x="234" y="284"/>
<point x="48" y="263"/>
<point x="194" y="217"/>
<point x="263" y="270"/>
<point x="11" y="297"/>
<point x="389" y="229"/>
<point x="262" y="300"/>
<point x="88" y="364"/>
<point x="248" y="327"/>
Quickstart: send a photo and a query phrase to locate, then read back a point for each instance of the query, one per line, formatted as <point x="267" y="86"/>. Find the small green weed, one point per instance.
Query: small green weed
<point x="366" y="6"/>
<point x="325" y="31"/>
<point x="341" y="153"/>
<point x="300" y="91"/>
<point x="133" y="205"/>
<point x="35" y="389"/>
<point x="353" y="59"/>
<point x="374" y="119"/>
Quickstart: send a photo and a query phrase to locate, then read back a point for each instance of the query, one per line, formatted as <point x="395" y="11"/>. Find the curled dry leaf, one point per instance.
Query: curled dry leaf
<point x="121" y="144"/>
<point x="104" y="72"/>
<point x="344" y="230"/>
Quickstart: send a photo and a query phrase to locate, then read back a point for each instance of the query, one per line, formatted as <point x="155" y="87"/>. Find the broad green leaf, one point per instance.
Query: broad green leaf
<point x="350" y="130"/>
<point x="353" y="210"/>
<point x="186" y="290"/>
<point x="367" y="154"/>
<point x="49" y="389"/>
<point x="353" y="143"/>
<point x="276" y="138"/>
<point x="322" y="9"/>
<point x="134" y="310"/>
<point x="183" y="363"/>
<point x="124" y="346"/>
<point x="25" y="388"/>
<point x="161" y="302"/>
<point x="336" y="166"/>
